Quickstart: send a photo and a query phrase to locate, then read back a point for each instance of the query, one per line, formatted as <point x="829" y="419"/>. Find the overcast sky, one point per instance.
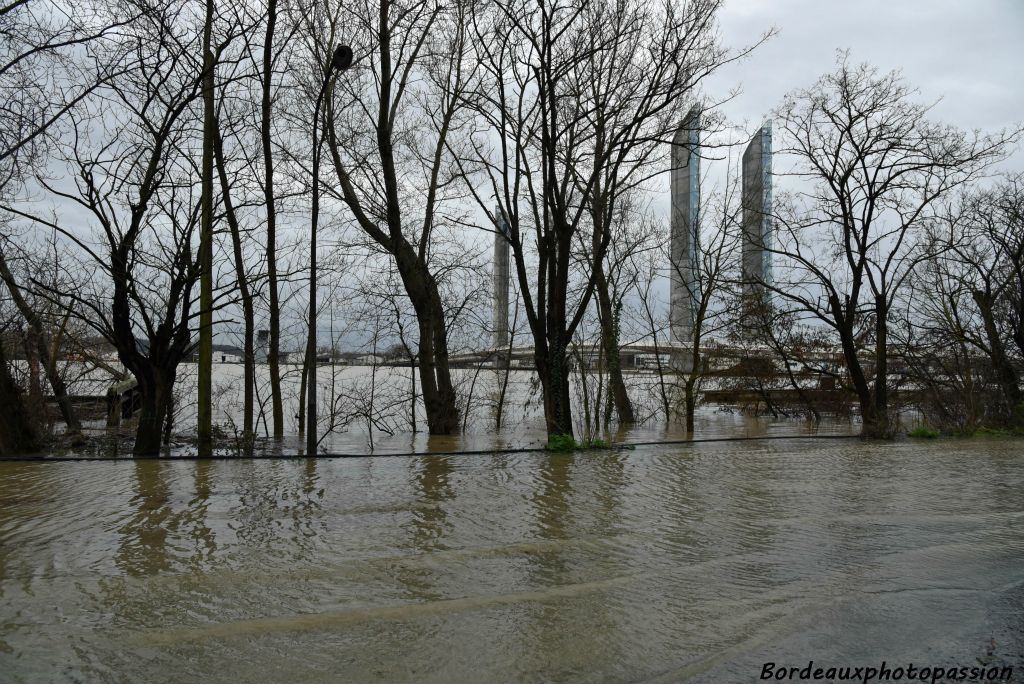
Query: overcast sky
<point x="970" y="53"/>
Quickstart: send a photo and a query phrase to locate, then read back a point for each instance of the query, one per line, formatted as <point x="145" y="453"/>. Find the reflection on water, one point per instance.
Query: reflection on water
<point x="664" y="563"/>
<point x="143" y="545"/>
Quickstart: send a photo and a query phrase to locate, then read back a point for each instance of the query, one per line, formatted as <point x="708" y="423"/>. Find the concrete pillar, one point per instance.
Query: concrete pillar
<point x="501" y="280"/>
<point x="757" y="223"/>
<point x="684" y="239"/>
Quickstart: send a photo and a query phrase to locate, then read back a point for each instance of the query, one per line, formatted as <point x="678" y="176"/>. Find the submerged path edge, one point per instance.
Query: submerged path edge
<point x="619" y="446"/>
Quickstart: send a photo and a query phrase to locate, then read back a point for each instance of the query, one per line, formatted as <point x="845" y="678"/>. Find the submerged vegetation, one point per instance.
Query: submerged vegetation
<point x="565" y="442"/>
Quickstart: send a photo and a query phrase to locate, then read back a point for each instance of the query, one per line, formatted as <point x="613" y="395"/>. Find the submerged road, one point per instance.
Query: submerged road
<point x="672" y="563"/>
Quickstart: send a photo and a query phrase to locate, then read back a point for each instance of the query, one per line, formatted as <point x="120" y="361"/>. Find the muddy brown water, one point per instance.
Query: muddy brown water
<point x="674" y="563"/>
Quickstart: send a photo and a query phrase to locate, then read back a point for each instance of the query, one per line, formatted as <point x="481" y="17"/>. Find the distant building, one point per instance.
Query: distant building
<point x="223" y="353"/>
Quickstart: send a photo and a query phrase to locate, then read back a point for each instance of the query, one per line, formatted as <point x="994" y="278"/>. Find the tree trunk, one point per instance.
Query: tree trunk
<point x="865" y="397"/>
<point x="499" y="409"/>
<point x="693" y="377"/>
<point x="248" y="315"/>
<point x="691" y="401"/>
<point x="609" y="319"/>
<point x="205" y="384"/>
<point x="274" y="343"/>
<point x="553" y="369"/>
<point x="156" y="390"/>
<point x="412" y="395"/>
<point x="17" y="433"/>
<point x="1009" y="380"/>
<point x="435" y="377"/>
<point x="662" y="389"/>
<point x="436" y="387"/>
<point x="881" y="427"/>
<point x="302" y="394"/>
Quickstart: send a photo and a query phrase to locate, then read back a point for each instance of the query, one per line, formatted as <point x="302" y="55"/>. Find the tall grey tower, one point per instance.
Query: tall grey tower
<point x="501" y="279"/>
<point x="684" y="230"/>
<point x="757" y="223"/>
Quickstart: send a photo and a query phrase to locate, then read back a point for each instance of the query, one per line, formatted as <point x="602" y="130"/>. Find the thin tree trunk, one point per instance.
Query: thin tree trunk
<point x="503" y="386"/>
<point x="662" y="390"/>
<point x="881" y="367"/>
<point x="692" y="379"/>
<point x="248" y="315"/>
<point x="169" y="416"/>
<point x="869" y="417"/>
<point x="412" y="396"/>
<point x="1009" y="380"/>
<point x="205" y="389"/>
<point x="609" y="319"/>
<point x="274" y="343"/>
<point x="302" y="394"/>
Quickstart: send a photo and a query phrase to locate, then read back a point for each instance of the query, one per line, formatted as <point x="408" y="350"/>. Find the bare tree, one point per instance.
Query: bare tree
<point x="873" y="168"/>
<point x="244" y="293"/>
<point x="137" y="185"/>
<point x="653" y="320"/>
<point x="710" y="282"/>
<point x="43" y="346"/>
<point x="390" y="120"/>
<point x="270" y="206"/>
<point x="967" y="306"/>
<point x="577" y="98"/>
<point x="953" y="391"/>
<point x="994" y="252"/>
<point x="51" y="60"/>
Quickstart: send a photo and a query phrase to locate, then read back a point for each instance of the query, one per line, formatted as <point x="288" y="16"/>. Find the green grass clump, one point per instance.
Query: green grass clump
<point x="923" y="432"/>
<point x="562" y="443"/>
<point x="998" y="432"/>
<point x="569" y="443"/>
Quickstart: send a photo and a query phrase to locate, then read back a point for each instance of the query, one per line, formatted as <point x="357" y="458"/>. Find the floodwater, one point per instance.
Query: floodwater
<point x="697" y="562"/>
